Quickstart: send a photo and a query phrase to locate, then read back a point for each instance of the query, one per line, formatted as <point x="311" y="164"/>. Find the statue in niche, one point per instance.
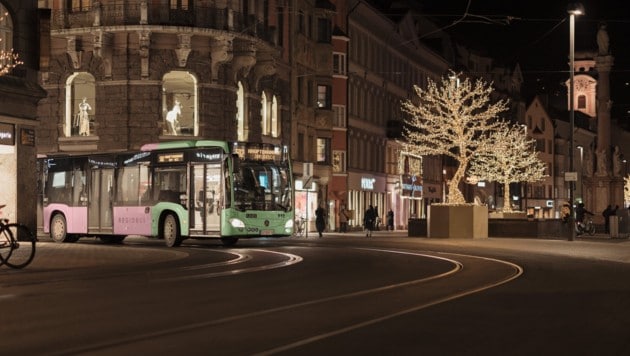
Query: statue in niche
<point x="602" y="40"/>
<point x="172" y="118"/>
<point x="83" y="118"/>
<point x="602" y="163"/>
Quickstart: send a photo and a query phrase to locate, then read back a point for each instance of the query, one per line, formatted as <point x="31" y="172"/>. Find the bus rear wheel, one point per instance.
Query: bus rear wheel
<point x="170" y="231"/>
<point x="58" y="228"/>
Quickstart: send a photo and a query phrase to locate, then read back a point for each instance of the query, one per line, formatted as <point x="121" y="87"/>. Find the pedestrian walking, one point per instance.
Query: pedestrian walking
<point x="343" y="220"/>
<point x="320" y="220"/>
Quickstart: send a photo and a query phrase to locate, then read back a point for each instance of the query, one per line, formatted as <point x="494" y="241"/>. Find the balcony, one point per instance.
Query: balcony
<point x="132" y="13"/>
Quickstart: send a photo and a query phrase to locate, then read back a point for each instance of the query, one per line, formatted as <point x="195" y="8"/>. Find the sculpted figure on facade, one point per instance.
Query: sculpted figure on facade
<point x="603" y="40"/>
<point x="588" y="162"/>
<point x="602" y="162"/>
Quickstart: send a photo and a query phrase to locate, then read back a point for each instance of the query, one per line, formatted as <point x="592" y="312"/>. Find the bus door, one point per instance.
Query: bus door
<point x="100" y="200"/>
<point x="206" y="194"/>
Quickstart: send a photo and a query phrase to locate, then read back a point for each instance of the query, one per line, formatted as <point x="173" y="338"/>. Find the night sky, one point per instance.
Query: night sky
<point x="535" y="33"/>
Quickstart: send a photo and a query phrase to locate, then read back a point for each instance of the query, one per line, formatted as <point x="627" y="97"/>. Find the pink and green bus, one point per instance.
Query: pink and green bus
<point x="170" y="190"/>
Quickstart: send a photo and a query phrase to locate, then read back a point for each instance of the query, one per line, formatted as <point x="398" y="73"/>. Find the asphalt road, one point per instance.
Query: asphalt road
<point x="342" y="294"/>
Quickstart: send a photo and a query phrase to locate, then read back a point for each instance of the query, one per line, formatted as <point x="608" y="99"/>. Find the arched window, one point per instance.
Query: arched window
<point x="80" y="105"/>
<point x="8" y="59"/>
<point x="179" y="104"/>
<point x="264" y="114"/>
<point x="6" y="30"/>
<point x="275" y="125"/>
<point x="240" y="113"/>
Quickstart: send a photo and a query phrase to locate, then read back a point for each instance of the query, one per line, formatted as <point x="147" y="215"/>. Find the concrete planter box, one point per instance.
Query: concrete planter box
<point x="511" y="215"/>
<point x="457" y="221"/>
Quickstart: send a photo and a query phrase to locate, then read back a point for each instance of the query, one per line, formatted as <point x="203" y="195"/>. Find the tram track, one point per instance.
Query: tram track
<point x="358" y="310"/>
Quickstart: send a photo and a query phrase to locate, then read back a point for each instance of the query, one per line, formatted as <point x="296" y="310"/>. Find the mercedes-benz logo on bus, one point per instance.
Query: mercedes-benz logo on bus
<point x="266" y="222"/>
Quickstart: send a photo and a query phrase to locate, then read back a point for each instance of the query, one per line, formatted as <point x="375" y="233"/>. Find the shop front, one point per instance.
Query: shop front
<point x="306" y="202"/>
<point x="364" y="190"/>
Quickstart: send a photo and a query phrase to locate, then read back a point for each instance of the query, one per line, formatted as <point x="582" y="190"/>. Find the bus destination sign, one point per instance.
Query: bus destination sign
<point x="171" y="157"/>
<point x="258" y="153"/>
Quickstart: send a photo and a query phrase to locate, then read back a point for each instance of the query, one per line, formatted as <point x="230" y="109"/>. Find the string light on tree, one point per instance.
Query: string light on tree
<point x="455" y="119"/>
<point x="512" y="160"/>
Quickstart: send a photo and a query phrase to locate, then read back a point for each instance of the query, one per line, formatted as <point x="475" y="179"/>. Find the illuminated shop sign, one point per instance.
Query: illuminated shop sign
<point x="411" y="186"/>
<point x="367" y="183"/>
<point x="7" y="134"/>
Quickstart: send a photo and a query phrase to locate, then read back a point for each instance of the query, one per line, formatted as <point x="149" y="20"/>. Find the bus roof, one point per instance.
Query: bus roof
<point x="184" y="144"/>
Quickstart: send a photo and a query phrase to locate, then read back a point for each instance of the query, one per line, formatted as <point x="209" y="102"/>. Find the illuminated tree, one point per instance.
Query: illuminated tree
<point x="513" y="159"/>
<point x="452" y="119"/>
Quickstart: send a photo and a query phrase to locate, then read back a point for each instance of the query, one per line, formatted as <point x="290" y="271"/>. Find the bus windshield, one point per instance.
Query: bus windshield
<point x="262" y="186"/>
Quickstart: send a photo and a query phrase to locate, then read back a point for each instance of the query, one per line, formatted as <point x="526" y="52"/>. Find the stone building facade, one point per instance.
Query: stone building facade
<point x="20" y="23"/>
<point x="122" y="74"/>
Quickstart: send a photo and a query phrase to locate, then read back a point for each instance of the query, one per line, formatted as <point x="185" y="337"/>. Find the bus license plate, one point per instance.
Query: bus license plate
<point x="266" y="232"/>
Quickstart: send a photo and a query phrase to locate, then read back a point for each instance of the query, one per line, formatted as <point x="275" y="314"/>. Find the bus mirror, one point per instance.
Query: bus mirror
<point x="236" y="163"/>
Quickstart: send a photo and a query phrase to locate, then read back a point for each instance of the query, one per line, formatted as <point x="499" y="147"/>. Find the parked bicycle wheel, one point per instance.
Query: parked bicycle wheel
<point x="6" y="237"/>
<point x="23" y="246"/>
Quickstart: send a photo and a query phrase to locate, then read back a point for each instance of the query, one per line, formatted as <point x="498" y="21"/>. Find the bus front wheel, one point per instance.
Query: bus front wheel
<point x="170" y="231"/>
<point x="58" y="228"/>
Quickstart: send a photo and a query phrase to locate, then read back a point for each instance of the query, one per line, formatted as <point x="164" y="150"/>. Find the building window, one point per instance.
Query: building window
<point x="80" y="105"/>
<point x="323" y="97"/>
<point x="264" y="115"/>
<point x="339" y="116"/>
<point x="275" y="124"/>
<point x="179" y="4"/>
<point x="179" y="103"/>
<point x="324" y="33"/>
<point x="581" y="102"/>
<point x="339" y="63"/>
<point x="6" y="30"/>
<point x="300" y="147"/>
<point x="339" y="162"/>
<point x="323" y="150"/>
<point x="79" y="5"/>
<point x="240" y="113"/>
<point x="301" y="22"/>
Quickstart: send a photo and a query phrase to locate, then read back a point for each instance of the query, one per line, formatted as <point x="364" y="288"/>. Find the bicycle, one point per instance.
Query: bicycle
<point x="17" y="244"/>
<point x="300" y="227"/>
<point x="585" y="227"/>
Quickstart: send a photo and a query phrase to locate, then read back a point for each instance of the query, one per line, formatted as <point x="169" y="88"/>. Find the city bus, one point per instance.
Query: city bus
<point x="170" y="190"/>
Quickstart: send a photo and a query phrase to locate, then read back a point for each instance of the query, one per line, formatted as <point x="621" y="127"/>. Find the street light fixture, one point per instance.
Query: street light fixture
<point x="573" y="9"/>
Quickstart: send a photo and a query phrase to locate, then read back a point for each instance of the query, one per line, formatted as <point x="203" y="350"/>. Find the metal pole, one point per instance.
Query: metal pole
<point x="571" y="121"/>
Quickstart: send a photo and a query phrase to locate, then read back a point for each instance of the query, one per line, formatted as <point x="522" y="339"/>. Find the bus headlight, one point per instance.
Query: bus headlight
<point x="289" y="224"/>
<point x="237" y="223"/>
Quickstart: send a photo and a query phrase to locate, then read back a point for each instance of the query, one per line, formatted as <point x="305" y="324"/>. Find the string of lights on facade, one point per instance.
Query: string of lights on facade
<point x="8" y="59"/>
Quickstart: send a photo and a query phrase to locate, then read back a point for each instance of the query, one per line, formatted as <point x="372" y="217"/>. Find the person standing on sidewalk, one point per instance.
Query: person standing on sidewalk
<point x="368" y="221"/>
<point x="606" y="214"/>
<point x="390" y="220"/>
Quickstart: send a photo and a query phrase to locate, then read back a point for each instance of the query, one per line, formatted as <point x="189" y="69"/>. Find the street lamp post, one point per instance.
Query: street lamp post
<point x="573" y="9"/>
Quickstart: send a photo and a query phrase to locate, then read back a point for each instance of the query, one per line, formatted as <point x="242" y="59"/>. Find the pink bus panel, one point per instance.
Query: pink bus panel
<point x="132" y="220"/>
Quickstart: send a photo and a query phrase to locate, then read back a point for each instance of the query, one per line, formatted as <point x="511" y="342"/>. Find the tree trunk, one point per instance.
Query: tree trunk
<point x="507" y="203"/>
